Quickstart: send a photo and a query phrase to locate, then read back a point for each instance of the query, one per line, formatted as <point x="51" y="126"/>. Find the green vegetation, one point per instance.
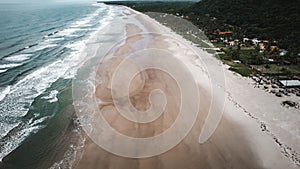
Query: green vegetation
<point x="269" y="19"/>
<point x="284" y="71"/>
<point x="253" y="62"/>
<point x="155" y="6"/>
<point x="239" y="68"/>
<point x="275" y="21"/>
<point x="242" y="70"/>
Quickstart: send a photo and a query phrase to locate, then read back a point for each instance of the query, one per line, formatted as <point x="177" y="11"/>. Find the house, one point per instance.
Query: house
<point x="265" y="41"/>
<point x="296" y="77"/>
<point x="282" y="52"/>
<point x="246" y="40"/>
<point x="225" y="33"/>
<point x="231" y="43"/>
<point x="271" y="60"/>
<point x="237" y="61"/>
<point x="273" y="48"/>
<point x="255" y="41"/>
<point x="290" y="83"/>
<point x="262" y="46"/>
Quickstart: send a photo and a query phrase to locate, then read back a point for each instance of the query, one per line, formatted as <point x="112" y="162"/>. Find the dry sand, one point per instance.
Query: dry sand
<point x="237" y="143"/>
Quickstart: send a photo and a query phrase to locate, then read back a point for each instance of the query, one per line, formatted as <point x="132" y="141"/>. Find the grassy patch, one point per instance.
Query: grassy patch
<point x="219" y="45"/>
<point x="272" y="69"/>
<point x="225" y="57"/>
<point x="241" y="69"/>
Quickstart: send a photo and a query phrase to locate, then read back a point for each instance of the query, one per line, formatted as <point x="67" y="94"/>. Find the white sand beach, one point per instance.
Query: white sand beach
<point x="255" y="130"/>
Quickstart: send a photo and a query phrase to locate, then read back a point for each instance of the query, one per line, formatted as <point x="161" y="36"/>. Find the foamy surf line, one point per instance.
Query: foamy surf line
<point x="3" y="70"/>
<point x="17" y="99"/>
<point x="52" y="97"/>
<point x="10" y="65"/>
<point x="18" y="58"/>
<point x="58" y="35"/>
<point x="70" y="157"/>
<point x="4" y="92"/>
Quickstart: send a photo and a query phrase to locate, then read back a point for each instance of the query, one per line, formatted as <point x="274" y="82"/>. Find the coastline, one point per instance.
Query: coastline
<point x="238" y="140"/>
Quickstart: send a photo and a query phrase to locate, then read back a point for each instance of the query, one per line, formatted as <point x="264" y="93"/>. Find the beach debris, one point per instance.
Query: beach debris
<point x="289" y="103"/>
<point x="274" y="86"/>
<point x="279" y="94"/>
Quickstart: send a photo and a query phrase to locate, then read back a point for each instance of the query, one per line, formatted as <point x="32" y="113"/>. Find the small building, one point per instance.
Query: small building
<point x="273" y="48"/>
<point x="290" y="83"/>
<point x="255" y="41"/>
<point x="265" y="41"/>
<point x="296" y="77"/>
<point x="237" y="61"/>
<point x="261" y="46"/>
<point x="283" y="52"/>
<point x="231" y="43"/>
<point x="225" y="33"/>
<point x="271" y="60"/>
<point x="246" y="40"/>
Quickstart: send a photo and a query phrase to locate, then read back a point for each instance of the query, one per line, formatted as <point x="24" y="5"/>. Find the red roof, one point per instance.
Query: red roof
<point x="224" y="33"/>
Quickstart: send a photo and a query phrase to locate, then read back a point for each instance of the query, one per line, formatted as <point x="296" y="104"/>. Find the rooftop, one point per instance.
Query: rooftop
<point x="290" y="83"/>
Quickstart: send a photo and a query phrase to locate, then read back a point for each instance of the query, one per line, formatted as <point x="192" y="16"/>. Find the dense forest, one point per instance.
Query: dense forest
<point x="274" y="20"/>
<point x="154" y="6"/>
<point x="268" y="19"/>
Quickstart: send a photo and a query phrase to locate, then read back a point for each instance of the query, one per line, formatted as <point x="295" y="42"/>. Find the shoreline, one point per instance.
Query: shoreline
<point x="231" y="142"/>
<point x="284" y="136"/>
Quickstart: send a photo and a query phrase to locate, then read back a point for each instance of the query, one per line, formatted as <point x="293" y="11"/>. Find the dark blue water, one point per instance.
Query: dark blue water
<point x="40" y="47"/>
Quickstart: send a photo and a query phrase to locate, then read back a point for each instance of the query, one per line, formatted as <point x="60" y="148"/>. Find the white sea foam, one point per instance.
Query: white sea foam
<point x="8" y="146"/>
<point x="7" y="127"/>
<point x="22" y="94"/>
<point x="4" y="92"/>
<point x="52" y="96"/>
<point x="80" y="23"/>
<point x="72" y="153"/>
<point x="97" y="4"/>
<point x="54" y="39"/>
<point x="16" y="103"/>
<point x="68" y="31"/>
<point x="45" y="46"/>
<point x="18" y="58"/>
<point x="10" y="65"/>
<point x="3" y="70"/>
<point x="85" y="22"/>
<point x="40" y="120"/>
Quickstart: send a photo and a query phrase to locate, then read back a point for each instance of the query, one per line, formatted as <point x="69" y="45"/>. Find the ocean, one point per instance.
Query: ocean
<point x="40" y="53"/>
